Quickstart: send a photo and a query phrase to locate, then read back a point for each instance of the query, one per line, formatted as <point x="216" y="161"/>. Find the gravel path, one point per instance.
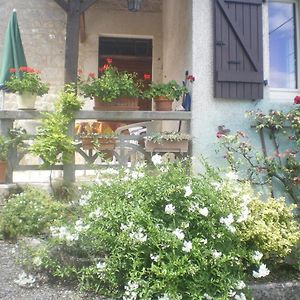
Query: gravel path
<point x="40" y="290"/>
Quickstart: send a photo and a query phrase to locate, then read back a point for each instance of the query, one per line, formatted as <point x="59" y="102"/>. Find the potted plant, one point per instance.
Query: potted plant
<point x="113" y="90"/>
<point x="164" y="94"/>
<point x="167" y="142"/>
<point x="27" y="84"/>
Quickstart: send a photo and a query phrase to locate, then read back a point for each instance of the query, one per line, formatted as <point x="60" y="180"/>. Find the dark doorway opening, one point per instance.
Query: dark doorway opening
<point x="129" y="54"/>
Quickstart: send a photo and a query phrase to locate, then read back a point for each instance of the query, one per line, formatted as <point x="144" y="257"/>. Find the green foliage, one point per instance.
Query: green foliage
<point x="164" y="234"/>
<point x="282" y="164"/>
<point x="111" y="85"/>
<point x="28" y="213"/>
<point x="159" y="137"/>
<point x="271" y="227"/>
<point x="52" y="142"/>
<point x="170" y="90"/>
<point x="29" y="81"/>
<point x="13" y="140"/>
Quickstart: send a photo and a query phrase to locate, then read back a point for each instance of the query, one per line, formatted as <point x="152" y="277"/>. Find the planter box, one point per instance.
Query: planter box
<point x="163" y="104"/>
<point x="167" y="146"/>
<point x="120" y="104"/>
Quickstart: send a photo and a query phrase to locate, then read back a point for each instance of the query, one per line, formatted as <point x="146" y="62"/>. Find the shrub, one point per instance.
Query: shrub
<point x="164" y="234"/>
<point x="271" y="167"/>
<point x="28" y="213"/>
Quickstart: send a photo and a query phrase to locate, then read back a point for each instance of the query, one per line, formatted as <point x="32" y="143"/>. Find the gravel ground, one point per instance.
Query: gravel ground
<point x="40" y="289"/>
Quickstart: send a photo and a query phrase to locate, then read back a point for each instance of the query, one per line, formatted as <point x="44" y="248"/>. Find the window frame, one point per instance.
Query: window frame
<point x="278" y="93"/>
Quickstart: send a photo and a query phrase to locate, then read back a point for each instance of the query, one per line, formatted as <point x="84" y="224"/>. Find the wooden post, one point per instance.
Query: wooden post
<point x="69" y="168"/>
<point x="72" y="41"/>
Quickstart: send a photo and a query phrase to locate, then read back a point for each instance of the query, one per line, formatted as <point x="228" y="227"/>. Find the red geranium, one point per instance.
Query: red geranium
<point x="297" y="100"/>
<point x="12" y="70"/>
<point x="92" y="75"/>
<point x="23" y="69"/>
<point x="109" y="60"/>
<point x="147" y="76"/>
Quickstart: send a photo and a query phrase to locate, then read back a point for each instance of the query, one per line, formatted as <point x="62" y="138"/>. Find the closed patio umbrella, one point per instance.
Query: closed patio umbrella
<point x="13" y="54"/>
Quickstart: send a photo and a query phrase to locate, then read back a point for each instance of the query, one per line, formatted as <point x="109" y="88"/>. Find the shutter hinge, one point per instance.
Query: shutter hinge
<point x="234" y="62"/>
<point x="266" y="82"/>
<point x="220" y="43"/>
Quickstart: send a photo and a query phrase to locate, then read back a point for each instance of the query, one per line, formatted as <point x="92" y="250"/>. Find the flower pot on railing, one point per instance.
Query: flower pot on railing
<point x="163" y="104"/>
<point x="26" y="100"/>
<point x="3" y="170"/>
<point x="119" y="104"/>
<point x="167" y="146"/>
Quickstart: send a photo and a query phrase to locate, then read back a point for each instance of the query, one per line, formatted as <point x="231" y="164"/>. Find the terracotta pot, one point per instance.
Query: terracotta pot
<point x="167" y="146"/>
<point x="26" y="100"/>
<point x="163" y="104"/>
<point x="3" y="169"/>
<point x="120" y="104"/>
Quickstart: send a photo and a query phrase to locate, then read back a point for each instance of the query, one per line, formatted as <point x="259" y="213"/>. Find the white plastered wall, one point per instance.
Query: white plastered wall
<point x="209" y="112"/>
<point x="177" y="40"/>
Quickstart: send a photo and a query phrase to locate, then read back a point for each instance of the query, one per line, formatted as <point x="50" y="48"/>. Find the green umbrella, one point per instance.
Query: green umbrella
<point x="13" y="53"/>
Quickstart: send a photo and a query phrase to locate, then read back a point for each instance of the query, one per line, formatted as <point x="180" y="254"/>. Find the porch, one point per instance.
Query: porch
<point x="127" y="146"/>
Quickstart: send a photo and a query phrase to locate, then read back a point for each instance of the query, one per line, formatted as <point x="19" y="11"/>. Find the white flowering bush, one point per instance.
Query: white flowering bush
<point x="29" y="213"/>
<point x="162" y="234"/>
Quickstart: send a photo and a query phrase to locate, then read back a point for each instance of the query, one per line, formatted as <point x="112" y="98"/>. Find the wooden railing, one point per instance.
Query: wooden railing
<point x="7" y="119"/>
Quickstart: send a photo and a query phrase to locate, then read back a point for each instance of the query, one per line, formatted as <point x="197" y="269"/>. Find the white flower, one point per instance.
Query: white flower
<point x="24" y="280"/>
<point x="185" y="224"/>
<point x="216" y="185"/>
<point x="263" y="271"/>
<point x="85" y="199"/>
<point x="240" y="285"/>
<point x="246" y="199"/>
<point x="244" y="215"/>
<point x="207" y="297"/>
<point x="227" y="222"/>
<point x="178" y="233"/>
<point x="203" y="211"/>
<point x="193" y="207"/>
<point x="257" y="256"/>
<point x="170" y="209"/>
<point x="216" y="254"/>
<point x="203" y="241"/>
<point x="79" y="226"/>
<point x="241" y="296"/>
<point x="231" y="293"/>
<point x="139" y="236"/>
<point x="187" y="246"/>
<point x="130" y="291"/>
<point x="188" y="191"/>
<point x="37" y="261"/>
<point x="232" y="176"/>
<point x="156" y="159"/>
<point x="154" y="257"/>
<point x="101" y="265"/>
<point x="96" y="214"/>
<point x="124" y="227"/>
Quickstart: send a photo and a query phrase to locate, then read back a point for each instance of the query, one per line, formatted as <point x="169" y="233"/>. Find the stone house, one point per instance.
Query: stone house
<point x="242" y="53"/>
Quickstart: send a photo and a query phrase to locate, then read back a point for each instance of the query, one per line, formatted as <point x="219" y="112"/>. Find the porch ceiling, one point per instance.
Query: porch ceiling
<point x="147" y="5"/>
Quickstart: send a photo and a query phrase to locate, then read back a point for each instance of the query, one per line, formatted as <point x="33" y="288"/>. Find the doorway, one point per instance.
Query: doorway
<point x="131" y="55"/>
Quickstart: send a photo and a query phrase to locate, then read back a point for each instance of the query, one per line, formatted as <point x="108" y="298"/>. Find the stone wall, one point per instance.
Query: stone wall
<point x="42" y="24"/>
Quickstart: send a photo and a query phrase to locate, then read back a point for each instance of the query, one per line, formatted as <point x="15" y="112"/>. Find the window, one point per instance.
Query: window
<point x="282" y="39"/>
